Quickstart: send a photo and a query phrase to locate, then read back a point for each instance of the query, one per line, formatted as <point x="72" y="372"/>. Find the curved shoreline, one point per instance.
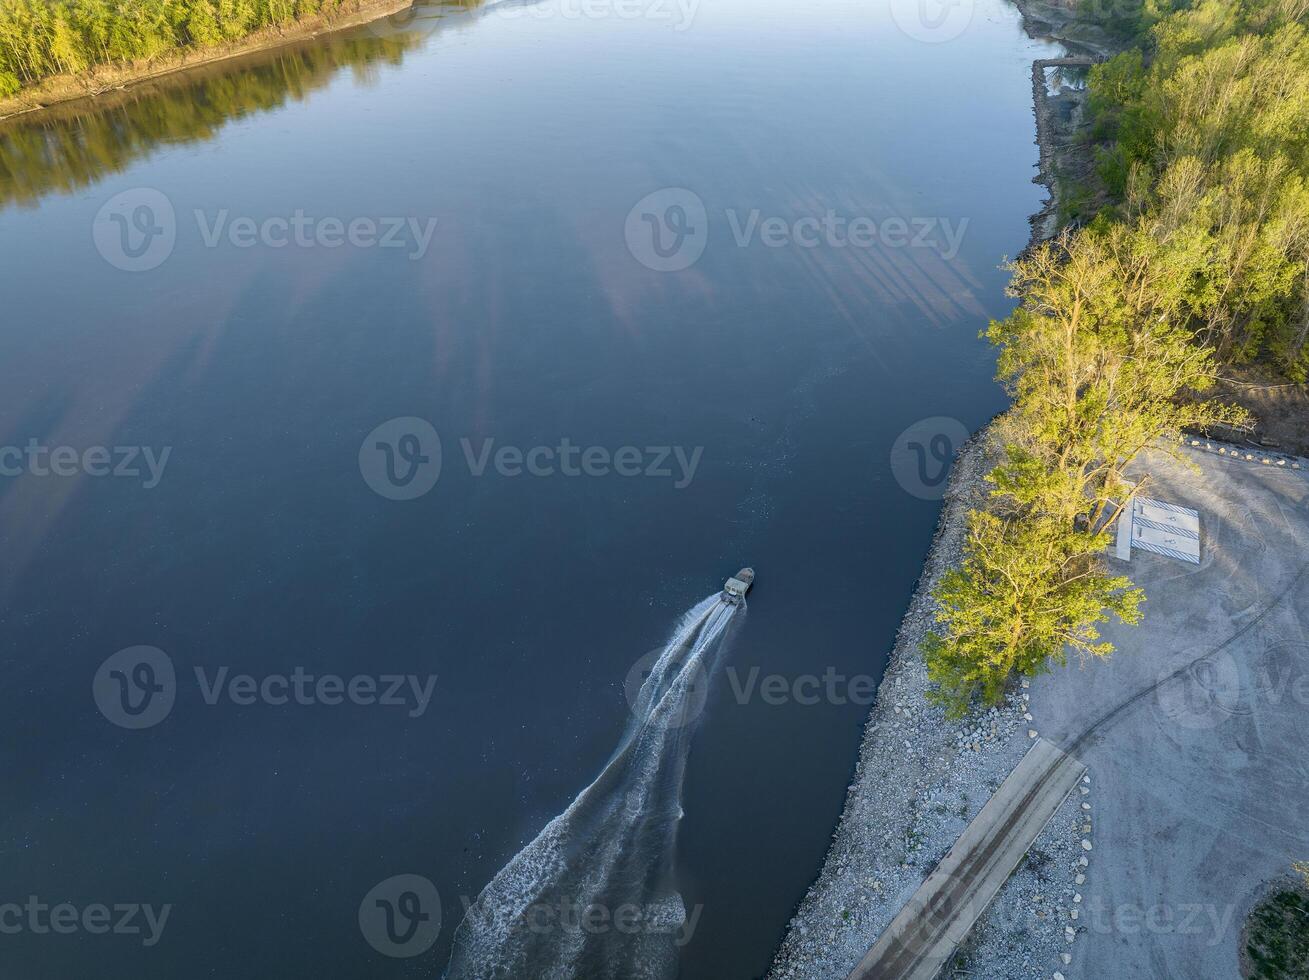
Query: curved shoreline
<point x="920" y="778"/>
<point x="1056" y="130"/>
<point x="64" y="90"/>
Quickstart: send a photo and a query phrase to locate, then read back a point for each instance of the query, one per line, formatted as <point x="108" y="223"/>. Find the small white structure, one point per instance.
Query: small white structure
<point x="1161" y="528"/>
<point x="738" y="585"/>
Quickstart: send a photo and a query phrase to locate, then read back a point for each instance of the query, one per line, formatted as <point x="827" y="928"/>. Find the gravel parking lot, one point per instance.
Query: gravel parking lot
<point x="1196" y="732"/>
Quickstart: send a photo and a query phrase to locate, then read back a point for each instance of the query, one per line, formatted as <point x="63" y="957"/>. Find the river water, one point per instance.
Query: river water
<point x="664" y="288"/>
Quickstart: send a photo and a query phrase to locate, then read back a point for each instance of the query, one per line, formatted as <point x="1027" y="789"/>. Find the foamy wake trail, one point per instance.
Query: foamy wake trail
<point x="593" y="897"/>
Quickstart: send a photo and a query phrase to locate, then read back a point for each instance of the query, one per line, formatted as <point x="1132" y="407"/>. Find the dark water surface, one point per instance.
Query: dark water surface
<point x="532" y="316"/>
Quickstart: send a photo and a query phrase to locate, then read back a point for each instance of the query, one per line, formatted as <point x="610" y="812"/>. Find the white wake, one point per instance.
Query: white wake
<point x="593" y="895"/>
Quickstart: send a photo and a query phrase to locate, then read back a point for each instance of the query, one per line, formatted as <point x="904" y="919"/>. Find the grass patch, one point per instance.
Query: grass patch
<point x="1277" y="937"/>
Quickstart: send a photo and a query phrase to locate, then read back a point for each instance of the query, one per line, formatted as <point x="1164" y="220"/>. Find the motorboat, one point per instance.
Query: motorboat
<point x="737" y="586"/>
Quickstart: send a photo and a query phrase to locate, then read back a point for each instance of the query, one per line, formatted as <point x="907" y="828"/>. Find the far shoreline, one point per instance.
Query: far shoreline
<point x="66" y="90"/>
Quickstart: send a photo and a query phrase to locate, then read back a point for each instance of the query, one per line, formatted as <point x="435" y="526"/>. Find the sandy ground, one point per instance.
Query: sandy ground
<point x="1201" y="778"/>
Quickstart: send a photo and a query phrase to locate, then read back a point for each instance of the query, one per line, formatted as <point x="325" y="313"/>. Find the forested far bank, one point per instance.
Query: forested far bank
<point x="77" y="145"/>
<point x="43" y="39"/>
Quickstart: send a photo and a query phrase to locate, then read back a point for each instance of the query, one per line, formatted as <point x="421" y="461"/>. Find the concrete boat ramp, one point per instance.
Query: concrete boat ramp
<point x="936" y="919"/>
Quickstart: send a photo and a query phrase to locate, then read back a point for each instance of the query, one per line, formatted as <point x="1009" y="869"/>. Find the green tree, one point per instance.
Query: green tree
<point x="41" y="38"/>
<point x="1206" y="143"/>
<point x="1099" y="369"/>
<point x="202" y="25"/>
<point x="66" y="52"/>
<point x="1029" y="589"/>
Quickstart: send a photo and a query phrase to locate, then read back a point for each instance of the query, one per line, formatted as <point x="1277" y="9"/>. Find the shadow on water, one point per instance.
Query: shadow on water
<point x="70" y="146"/>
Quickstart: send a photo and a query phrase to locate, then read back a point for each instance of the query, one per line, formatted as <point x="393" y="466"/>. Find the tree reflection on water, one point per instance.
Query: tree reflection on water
<point x="72" y="146"/>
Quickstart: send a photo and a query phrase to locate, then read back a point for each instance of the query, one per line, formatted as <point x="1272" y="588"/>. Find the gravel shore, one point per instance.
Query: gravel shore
<point x="920" y="779"/>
